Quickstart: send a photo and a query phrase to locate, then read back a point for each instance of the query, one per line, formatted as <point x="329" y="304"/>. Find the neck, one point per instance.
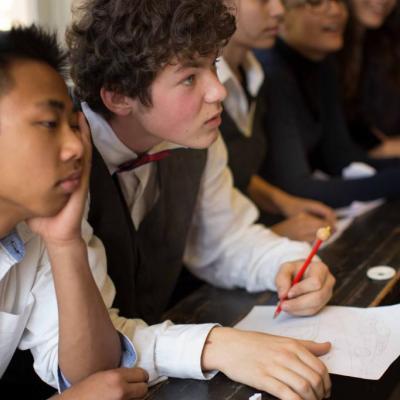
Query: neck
<point x="9" y="219"/>
<point x="309" y="53"/>
<point x="234" y="55"/>
<point x="132" y="134"/>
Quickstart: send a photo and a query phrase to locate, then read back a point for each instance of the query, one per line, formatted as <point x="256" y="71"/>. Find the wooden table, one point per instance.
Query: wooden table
<point x="373" y="239"/>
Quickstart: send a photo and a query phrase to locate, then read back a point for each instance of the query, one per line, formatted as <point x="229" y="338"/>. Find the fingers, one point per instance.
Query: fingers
<point x="133" y="375"/>
<point x="278" y="389"/>
<point x="296" y="372"/>
<point x="312" y="293"/>
<point x="87" y="145"/>
<point x="302" y="226"/>
<point x="294" y="377"/>
<point x="310" y="302"/>
<point x="284" y="279"/>
<point x="286" y="368"/>
<point x="128" y="383"/>
<point x="317" y="349"/>
<point x="137" y="386"/>
<point x="137" y="390"/>
<point x="314" y="279"/>
<point x="321" y="210"/>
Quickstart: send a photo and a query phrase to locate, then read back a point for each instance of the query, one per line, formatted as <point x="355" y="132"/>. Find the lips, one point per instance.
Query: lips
<point x="71" y="182"/>
<point x="334" y="28"/>
<point x="214" y="121"/>
<point x="272" y="29"/>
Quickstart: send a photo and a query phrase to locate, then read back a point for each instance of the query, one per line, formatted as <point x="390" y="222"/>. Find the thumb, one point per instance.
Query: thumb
<point x="323" y="212"/>
<point x="318" y="349"/>
<point x="283" y="280"/>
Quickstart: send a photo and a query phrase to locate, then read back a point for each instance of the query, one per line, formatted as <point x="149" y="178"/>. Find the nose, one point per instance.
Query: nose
<point x="276" y="9"/>
<point x="337" y="7"/>
<point x="72" y="146"/>
<point x="214" y="90"/>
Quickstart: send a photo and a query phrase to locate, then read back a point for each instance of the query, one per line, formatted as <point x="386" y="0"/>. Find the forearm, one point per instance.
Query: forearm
<point x="85" y="330"/>
<point x="214" y="355"/>
<point x="265" y="195"/>
<point x="339" y="192"/>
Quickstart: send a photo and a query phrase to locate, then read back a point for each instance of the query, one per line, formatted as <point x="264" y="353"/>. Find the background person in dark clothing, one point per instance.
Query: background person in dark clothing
<point x="243" y="125"/>
<point x="305" y="125"/>
<point x="370" y="75"/>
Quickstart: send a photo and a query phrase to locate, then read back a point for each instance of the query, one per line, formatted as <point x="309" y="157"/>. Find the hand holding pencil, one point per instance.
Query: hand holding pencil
<point x="305" y="296"/>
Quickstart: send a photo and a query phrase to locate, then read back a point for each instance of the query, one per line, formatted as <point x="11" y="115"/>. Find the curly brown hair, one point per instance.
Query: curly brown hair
<point x="122" y="45"/>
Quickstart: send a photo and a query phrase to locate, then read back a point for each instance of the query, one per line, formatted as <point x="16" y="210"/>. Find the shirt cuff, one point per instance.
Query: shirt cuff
<point x="179" y="350"/>
<point x="128" y="360"/>
<point x="268" y="274"/>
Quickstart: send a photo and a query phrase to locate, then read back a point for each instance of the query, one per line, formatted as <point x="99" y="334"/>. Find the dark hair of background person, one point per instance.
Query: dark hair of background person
<point x="28" y="43"/>
<point x="122" y="45"/>
<point x="381" y="44"/>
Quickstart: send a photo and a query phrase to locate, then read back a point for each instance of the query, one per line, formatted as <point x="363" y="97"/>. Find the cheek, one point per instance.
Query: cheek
<point x="391" y="7"/>
<point x="254" y="28"/>
<point x="178" y="115"/>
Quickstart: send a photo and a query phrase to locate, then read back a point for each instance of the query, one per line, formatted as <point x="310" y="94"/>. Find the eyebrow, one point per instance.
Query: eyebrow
<point x="188" y="64"/>
<point x="54" y="104"/>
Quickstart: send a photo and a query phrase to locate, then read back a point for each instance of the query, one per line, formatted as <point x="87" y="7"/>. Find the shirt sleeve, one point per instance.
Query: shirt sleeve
<point x="128" y="360"/>
<point x="41" y="332"/>
<point x="166" y="350"/>
<point x="225" y="247"/>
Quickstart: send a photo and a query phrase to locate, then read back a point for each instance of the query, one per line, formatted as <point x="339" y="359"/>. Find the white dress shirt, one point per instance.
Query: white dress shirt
<point x="224" y="247"/>
<point x="28" y="303"/>
<point x="236" y="103"/>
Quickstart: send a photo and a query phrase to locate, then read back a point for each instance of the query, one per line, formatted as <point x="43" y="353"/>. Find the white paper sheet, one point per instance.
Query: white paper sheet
<point x="365" y="341"/>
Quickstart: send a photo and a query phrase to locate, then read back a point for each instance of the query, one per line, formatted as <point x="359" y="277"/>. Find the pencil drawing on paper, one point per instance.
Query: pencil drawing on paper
<point x="360" y="347"/>
<point x="364" y="341"/>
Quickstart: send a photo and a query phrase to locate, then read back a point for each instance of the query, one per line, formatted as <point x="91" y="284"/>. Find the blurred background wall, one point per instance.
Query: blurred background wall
<point x="52" y="14"/>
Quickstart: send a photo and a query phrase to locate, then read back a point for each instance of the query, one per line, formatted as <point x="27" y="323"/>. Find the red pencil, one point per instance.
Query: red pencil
<point x="322" y="235"/>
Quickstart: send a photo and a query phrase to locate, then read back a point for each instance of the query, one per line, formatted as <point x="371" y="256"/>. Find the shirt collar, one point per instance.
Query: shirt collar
<point x="252" y="68"/>
<point x="14" y="243"/>
<point x="113" y="151"/>
<point x="236" y="103"/>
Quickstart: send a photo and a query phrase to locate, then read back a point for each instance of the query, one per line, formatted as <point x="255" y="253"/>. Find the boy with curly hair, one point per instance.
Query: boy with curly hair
<point x="162" y="195"/>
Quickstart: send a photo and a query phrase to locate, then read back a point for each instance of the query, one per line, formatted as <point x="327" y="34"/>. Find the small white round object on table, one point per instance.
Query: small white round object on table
<point x="381" y="273"/>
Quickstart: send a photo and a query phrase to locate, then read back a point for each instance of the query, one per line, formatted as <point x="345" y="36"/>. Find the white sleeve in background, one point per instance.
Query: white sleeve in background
<point x="225" y="247"/>
<point x="166" y="349"/>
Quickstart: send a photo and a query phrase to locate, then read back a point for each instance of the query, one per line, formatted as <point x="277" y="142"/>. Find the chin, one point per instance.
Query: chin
<point x="373" y="23"/>
<point x="334" y="46"/>
<point x="54" y="206"/>
<point x="206" y="140"/>
<point x="213" y="137"/>
<point x="266" y="43"/>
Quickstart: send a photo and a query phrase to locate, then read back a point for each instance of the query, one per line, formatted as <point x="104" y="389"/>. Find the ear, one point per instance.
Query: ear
<point x="118" y="104"/>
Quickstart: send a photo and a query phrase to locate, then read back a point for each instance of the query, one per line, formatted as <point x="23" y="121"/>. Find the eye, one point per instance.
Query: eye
<point x="75" y="127"/>
<point x="74" y="124"/>
<point x="49" y="124"/>
<point x="189" y="80"/>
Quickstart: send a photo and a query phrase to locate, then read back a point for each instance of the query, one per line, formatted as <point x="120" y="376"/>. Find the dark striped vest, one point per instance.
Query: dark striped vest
<point x="145" y="264"/>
